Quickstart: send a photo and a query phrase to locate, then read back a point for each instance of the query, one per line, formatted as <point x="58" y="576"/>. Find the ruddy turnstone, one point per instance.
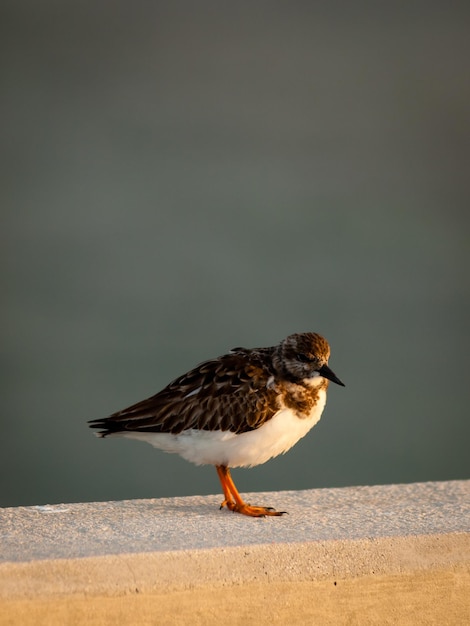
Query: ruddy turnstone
<point x="238" y="410"/>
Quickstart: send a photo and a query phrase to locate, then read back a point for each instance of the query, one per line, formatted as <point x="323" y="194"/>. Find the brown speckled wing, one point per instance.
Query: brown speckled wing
<point x="229" y="393"/>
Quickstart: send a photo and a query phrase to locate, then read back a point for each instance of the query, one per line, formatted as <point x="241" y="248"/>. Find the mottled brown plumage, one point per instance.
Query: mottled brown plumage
<point x="227" y="393"/>
<point x="238" y="391"/>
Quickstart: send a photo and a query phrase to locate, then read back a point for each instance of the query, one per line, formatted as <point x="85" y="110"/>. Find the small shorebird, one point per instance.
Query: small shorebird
<point x="238" y="410"/>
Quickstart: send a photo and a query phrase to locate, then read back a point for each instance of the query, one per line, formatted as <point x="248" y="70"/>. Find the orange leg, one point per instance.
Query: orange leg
<point x="233" y="499"/>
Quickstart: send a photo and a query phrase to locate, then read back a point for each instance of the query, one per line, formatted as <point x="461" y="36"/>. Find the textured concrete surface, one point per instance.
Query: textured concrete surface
<point x="366" y="555"/>
<point x="193" y="523"/>
<point x="437" y="598"/>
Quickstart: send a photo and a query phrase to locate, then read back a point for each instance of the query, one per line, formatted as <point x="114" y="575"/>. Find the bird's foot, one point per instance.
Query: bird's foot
<point x="251" y="511"/>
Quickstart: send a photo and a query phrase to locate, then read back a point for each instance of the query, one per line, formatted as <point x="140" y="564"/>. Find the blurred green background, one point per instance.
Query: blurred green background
<point x="181" y="178"/>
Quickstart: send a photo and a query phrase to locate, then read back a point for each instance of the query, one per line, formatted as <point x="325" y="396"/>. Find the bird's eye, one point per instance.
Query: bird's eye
<point x="303" y="358"/>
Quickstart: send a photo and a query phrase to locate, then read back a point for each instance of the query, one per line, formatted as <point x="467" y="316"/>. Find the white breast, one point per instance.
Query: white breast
<point x="205" y="447"/>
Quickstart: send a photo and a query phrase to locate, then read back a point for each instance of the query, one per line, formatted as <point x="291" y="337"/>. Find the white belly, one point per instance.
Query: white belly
<point x="205" y="447"/>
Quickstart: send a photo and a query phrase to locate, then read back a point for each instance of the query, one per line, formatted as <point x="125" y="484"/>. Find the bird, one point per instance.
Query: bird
<point x="237" y="410"/>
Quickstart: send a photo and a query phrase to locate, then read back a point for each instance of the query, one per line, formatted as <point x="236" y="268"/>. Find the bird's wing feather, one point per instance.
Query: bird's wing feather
<point x="227" y="393"/>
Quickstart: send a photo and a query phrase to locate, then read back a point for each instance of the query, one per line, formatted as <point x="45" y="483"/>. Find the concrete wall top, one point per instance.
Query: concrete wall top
<point x="68" y="531"/>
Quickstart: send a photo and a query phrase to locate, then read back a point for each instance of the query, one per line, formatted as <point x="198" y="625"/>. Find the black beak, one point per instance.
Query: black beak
<point x="327" y="373"/>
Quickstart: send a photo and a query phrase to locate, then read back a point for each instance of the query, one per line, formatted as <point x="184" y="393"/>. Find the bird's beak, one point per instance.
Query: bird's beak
<point x="327" y="373"/>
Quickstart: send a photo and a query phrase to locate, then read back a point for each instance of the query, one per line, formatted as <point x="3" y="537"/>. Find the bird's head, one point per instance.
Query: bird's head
<point x="303" y="357"/>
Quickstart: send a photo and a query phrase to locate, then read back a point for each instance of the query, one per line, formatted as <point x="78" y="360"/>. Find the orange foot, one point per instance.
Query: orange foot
<point x="252" y="511"/>
<point x="233" y="500"/>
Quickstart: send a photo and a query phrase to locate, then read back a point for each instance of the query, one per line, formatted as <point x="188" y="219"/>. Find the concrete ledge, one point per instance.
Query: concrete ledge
<point x="356" y="555"/>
